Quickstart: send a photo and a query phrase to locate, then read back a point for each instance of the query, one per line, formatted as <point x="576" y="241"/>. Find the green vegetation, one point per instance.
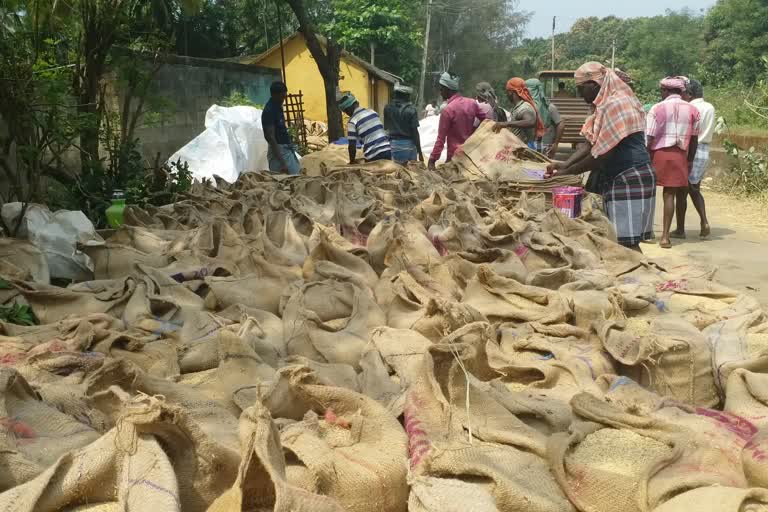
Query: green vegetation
<point x="19" y="314"/>
<point x="239" y="99"/>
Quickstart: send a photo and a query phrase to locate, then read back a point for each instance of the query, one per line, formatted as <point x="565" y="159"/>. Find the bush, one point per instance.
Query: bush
<point x="749" y="172"/>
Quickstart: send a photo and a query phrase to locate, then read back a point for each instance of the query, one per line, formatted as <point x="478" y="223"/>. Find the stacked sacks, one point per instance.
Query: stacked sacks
<point x="378" y="338"/>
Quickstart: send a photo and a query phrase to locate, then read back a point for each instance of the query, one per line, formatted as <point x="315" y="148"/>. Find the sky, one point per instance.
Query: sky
<point x="568" y="11"/>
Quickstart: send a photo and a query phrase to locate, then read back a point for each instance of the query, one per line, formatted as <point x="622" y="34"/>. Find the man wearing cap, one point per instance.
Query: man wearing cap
<point x="401" y="121"/>
<point x="364" y="124"/>
<point x="281" y="154"/>
<point x="672" y="130"/>
<point x="457" y="119"/>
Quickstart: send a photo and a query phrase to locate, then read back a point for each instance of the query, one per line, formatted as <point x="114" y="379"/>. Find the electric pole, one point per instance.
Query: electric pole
<point x="552" y="80"/>
<point x="424" y="57"/>
<point x="613" y="55"/>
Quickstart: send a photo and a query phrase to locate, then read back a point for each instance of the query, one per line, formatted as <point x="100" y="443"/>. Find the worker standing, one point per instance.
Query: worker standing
<point x="525" y="121"/>
<point x="281" y="154"/>
<point x="401" y="121"/>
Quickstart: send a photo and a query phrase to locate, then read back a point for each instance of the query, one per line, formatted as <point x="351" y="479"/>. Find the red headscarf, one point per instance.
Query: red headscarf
<point x="518" y="86"/>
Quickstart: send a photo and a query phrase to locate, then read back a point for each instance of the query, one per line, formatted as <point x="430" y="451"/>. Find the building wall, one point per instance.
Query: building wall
<point x="189" y="87"/>
<point x="383" y="94"/>
<point x="302" y="75"/>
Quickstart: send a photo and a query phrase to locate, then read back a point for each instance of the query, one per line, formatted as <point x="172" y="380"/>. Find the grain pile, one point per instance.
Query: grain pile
<point x="378" y="338"/>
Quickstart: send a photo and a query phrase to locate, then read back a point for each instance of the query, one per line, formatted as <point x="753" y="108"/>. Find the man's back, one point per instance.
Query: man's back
<point x="707" y="120"/>
<point x="672" y="123"/>
<point x="365" y="124"/>
<point x="401" y="119"/>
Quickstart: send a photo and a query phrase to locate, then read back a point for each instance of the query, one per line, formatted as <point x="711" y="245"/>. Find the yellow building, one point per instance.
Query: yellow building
<point x="371" y="86"/>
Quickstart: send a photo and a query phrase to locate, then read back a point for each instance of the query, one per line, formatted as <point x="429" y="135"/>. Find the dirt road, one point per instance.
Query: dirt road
<point x="738" y="247"/>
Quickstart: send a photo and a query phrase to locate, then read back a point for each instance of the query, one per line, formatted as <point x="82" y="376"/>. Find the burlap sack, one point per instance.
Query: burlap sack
<point x="464" y="265"/>
<point x="260" y="291"/>
<point x="747" y="399"/>
<point x="261" y="481"/>
<point x="667" y="354"/>
<point x="563" y="366"/>
<point x="731" y="348"/>
<point x="502" y="299"/>
<point x="112" y="261"/>
<point x="718" y="499"/>
<point x="21" y="260"/>
<point x="282" y="235"/>
<point x="326" y="250"/>
<point x="400" y="242"/>
<point x="345" y="447"/>
<point x="409" y="305"/>
<point x="330" y="322"/>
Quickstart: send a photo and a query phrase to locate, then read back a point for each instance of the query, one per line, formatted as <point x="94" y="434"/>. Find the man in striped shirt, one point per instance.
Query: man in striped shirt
<point x="365" y="124"/>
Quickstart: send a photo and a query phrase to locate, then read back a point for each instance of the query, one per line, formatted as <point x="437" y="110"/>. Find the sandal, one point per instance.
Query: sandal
<point x="665" y="245"/>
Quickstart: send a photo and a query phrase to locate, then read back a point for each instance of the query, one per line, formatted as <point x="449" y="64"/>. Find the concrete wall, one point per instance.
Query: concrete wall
<point x="190" y="86"/>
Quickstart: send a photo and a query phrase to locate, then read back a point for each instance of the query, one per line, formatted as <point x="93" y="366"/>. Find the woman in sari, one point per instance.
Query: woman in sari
<point x="616" y="154"/>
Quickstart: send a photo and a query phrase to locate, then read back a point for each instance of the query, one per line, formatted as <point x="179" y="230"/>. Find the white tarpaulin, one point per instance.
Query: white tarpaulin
<point x="232" y="143"/>
<point x="428" y="133"/>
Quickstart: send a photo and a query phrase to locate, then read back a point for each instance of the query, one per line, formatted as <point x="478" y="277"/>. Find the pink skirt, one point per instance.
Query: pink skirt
<point x="671" y="166"/>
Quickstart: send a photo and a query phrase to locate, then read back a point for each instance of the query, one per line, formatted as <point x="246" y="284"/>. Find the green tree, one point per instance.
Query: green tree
<point x="736" y="35"/>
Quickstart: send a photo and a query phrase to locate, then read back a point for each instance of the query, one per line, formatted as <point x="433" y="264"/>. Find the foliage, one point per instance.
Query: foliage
<point x="19" y="314"/>
<point x="239" y="99"/>
<point x="749" y="172"/>
<point x="736" y="35"/>
<point x="16" y="313"/>
<point x="392" y="27"/>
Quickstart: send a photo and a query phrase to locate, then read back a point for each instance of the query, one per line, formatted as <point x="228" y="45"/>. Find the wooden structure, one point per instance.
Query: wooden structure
<point x="294" y="115"/>
<point x="574" y="111"/>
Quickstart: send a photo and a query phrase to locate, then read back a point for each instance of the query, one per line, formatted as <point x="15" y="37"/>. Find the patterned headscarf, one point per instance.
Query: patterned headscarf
<point x="591" y="71"/>
<point x="673" y="83"/>
<point x="618" y="113"/>
<point x="517" y="85"/>
<point x="624" y="76"/>
<point x="450" y="81"/>
<point x="540" y="97"/>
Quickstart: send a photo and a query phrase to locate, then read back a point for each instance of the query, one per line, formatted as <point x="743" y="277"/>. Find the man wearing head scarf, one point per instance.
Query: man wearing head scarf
<point x="700" y="162"/>
<point x="615" y="153"/>
<point x="525" y="121"/>
<point x="401" y="121"/>
<point x="457" y="119"/>
<point x="550" y="117"/>
<point x="672" y="131"/>
<point x="486" y="97"/>
<point x="364" y="124"/>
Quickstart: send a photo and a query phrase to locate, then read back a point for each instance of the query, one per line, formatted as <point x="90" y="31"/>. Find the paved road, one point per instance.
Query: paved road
<point x="738" y="247"/>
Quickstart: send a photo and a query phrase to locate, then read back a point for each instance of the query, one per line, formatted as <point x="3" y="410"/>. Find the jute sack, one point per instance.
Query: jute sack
<point x="281" y="233"/>
<point x="330" y="322"/>
<point x="403" y="351"/>
<point x="376" y="382"/>
<point x="747" y="398"/>
<point x="409" y="305"/>
<point x="731" y="348"/>
<point x="260" y="291"/>
<point x="563" y="366"/>
<point x="502" y="299"/>
<point x="261" y="480"/>
<point x="396" y="241"/>
<point x="345" y="447"/>
<point x="667" y="355"/>
<point x="325" y="250"/>
<point x="464" y="265"/>
<point x="112" y="261"/>
<point x="129" y="478"/>
<point x="616" y="259"/>
<point x="28" y="427"/>
<point x="718" y="499"/>
<point x="26" y="260"/>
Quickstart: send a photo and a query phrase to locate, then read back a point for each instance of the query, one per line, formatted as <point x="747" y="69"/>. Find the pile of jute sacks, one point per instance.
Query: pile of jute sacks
<point x="378" y="338"/>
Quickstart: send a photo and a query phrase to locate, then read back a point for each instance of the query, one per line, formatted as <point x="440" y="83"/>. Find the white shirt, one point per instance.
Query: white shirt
<point x="707" y="120"/>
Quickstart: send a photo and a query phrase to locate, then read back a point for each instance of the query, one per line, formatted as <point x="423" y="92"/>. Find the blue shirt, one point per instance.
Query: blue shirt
<point x="273" y="115"/>
<point x="366" y="125"/>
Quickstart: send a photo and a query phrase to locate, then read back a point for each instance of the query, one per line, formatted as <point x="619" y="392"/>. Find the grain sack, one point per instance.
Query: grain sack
<point x="564" y="366"/>
<point x="112" y="261"/>
<point x="718" y="499"/>
<point x="747" y="399"/>
<point x="281" y="233"/>
<point x="400" y="242"/>
<point x="261" y="481"/>
<point x="345" y="447"/>
<point x="330" y="322"/>
<point x="21" y="260"/>
<point x="429" y="311"/>
<point x="667" y="354"/>
<point x="124" y="467"/>
<point x="730" y="347"/>
<point x="464" y="265"/>
<point x="502" y="299"/>
<point x="259" y="291"/>
<point x="325" y="250"/>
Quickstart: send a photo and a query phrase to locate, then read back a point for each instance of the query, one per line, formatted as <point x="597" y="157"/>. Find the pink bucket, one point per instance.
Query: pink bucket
<point x="568" y="200"/>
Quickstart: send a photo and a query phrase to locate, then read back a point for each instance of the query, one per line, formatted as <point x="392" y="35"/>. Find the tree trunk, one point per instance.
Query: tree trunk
<point x="327" y="63"/>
